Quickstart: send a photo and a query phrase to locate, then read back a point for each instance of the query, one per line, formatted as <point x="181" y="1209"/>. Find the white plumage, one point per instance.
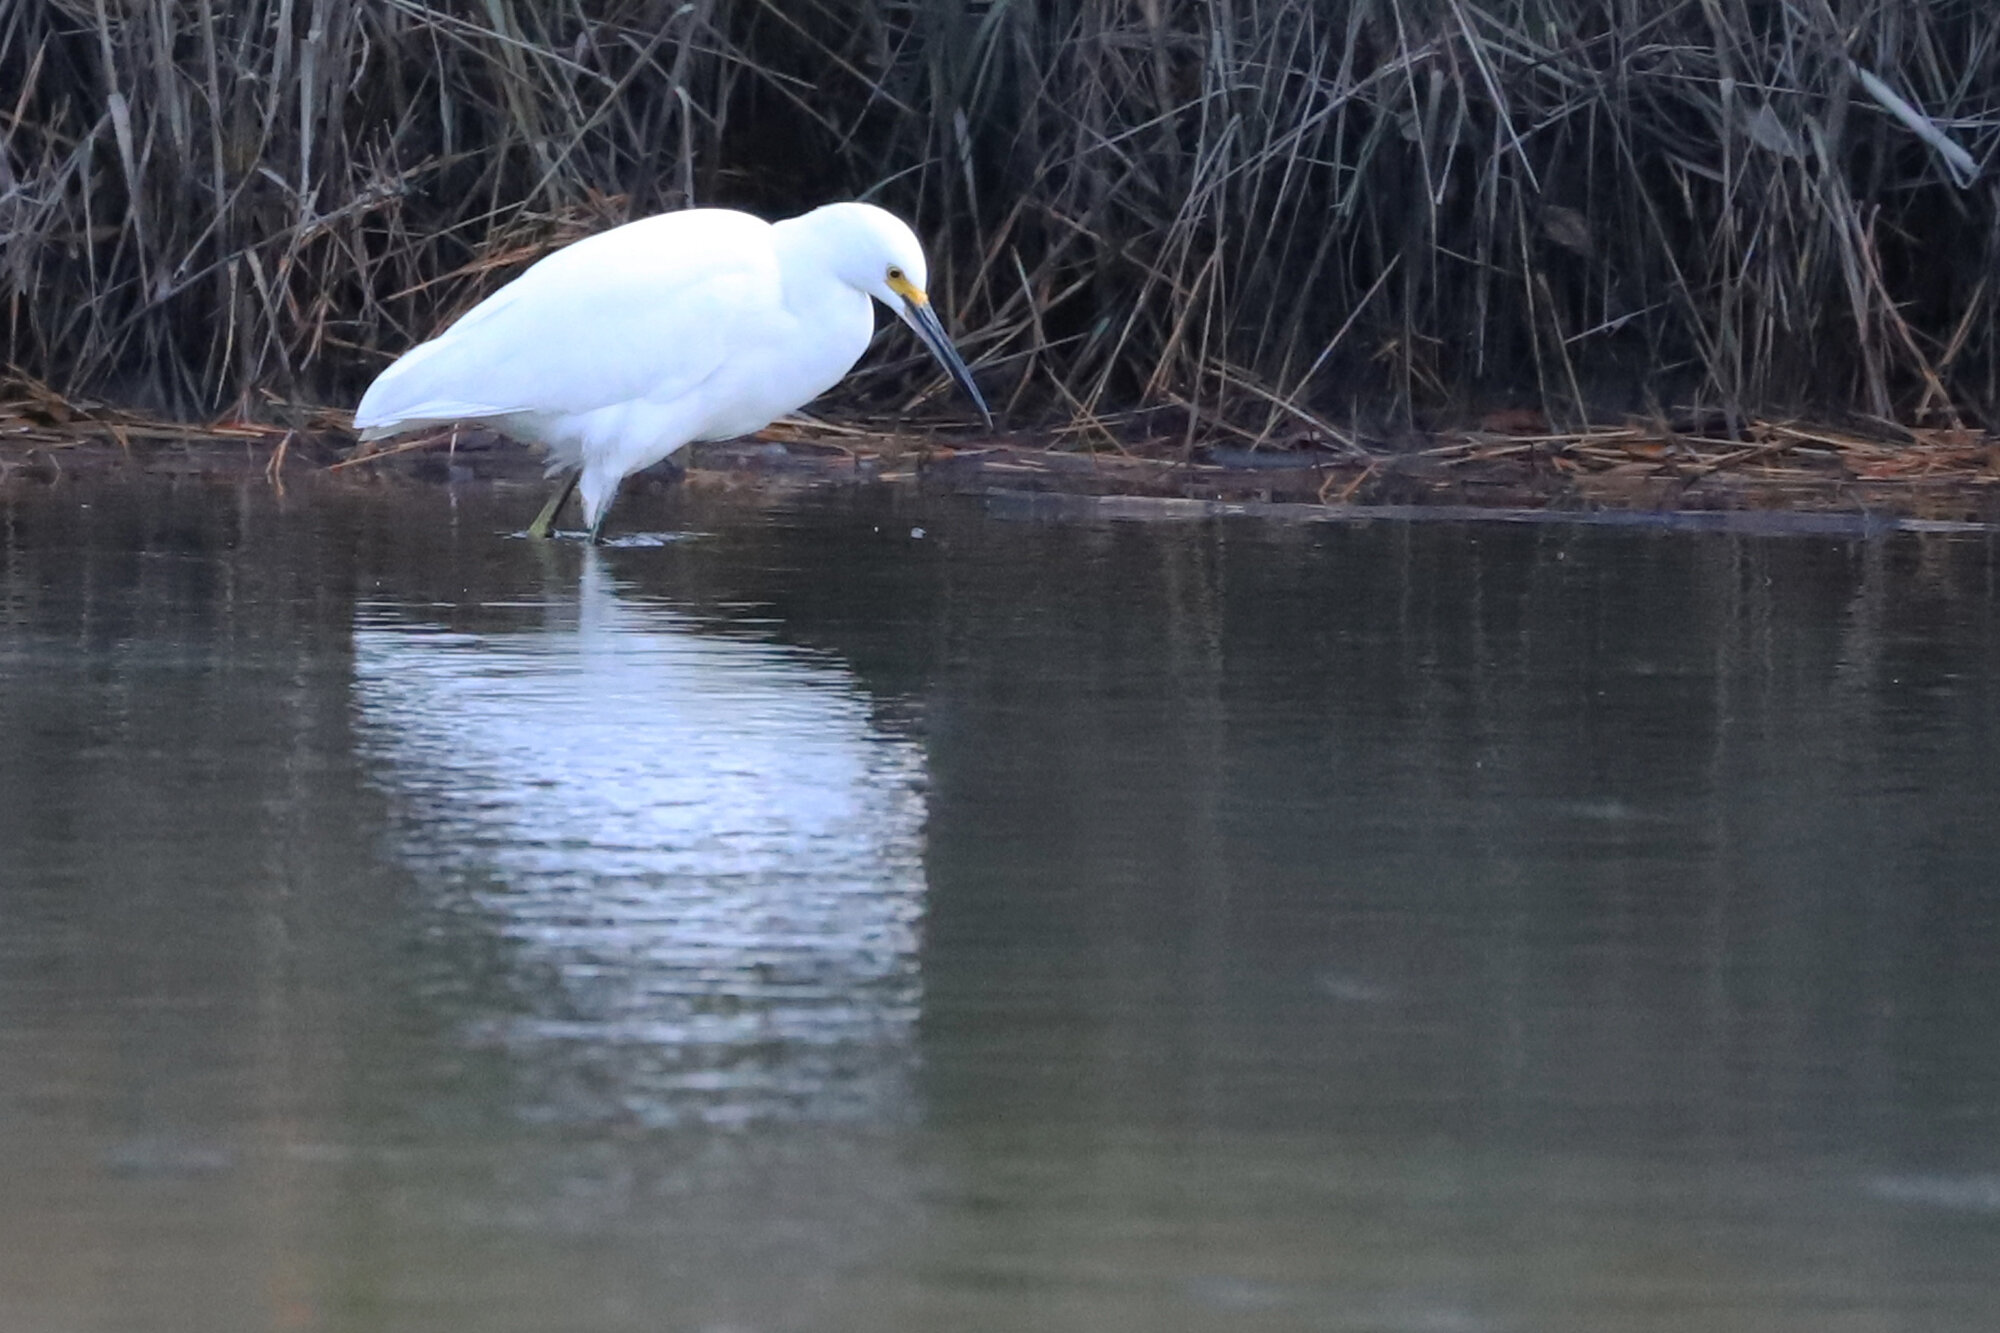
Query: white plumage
<point x="699" y="325"/>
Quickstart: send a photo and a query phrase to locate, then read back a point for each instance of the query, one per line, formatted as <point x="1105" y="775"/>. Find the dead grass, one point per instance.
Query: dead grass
<point x="1276" y="222"/>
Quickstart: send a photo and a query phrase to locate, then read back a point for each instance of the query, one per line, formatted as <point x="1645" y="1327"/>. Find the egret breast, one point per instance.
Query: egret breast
<point x="801" y="358"/>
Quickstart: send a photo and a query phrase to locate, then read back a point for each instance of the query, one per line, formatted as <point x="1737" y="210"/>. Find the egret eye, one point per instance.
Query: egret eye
<point x="895" y="274"/>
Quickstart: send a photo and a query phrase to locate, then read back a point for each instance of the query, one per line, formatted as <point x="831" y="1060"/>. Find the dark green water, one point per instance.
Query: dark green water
<point x="812" y="925"/>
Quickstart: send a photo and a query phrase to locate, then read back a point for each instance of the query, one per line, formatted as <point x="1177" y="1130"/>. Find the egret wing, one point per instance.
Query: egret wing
<point x="645" y="311"/>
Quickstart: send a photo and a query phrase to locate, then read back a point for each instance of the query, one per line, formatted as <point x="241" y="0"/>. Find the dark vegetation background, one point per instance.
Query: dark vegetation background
<point x="1260" y="217"/>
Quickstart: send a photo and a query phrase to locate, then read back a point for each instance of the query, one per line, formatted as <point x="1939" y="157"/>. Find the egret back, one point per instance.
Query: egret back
<point x="640" y="313"/>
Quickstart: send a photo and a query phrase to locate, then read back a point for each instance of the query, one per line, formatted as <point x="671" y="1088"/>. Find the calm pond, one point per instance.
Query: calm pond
<point x="878" y="914"/>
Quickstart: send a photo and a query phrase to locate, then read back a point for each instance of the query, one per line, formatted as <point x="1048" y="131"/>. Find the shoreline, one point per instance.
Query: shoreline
<point x="1823" y="479"/>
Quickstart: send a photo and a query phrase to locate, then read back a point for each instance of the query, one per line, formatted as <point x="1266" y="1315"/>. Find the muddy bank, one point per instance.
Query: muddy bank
<point x="1940" y="478"/>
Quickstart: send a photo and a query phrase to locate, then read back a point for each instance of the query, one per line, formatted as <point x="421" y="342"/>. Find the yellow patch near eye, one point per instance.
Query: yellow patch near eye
<point x="908" y="290"/>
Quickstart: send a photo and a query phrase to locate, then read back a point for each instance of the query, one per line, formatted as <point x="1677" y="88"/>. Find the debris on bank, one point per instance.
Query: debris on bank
<point x="1509" y="461"/>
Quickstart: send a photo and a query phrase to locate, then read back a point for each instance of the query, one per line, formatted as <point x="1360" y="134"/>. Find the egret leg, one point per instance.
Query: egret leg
<point x="603" y="509"/>
<point x="543" y="521"/>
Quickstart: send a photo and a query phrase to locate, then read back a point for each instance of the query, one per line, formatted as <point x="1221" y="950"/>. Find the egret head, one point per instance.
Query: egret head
<point x="877" y="253"/>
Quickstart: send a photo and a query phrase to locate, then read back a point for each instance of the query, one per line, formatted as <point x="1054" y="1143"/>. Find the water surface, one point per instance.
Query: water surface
<point x="879" y="914"/>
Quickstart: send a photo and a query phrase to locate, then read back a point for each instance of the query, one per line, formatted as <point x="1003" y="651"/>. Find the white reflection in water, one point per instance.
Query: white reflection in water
<point x="705" y="857"/>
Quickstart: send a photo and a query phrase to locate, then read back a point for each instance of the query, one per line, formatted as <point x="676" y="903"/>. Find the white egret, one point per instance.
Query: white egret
<point x="704" y="324"/>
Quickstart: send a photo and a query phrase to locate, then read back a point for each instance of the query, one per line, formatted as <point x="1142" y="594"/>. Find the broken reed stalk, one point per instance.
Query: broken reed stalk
<point x="1265" y="212"/>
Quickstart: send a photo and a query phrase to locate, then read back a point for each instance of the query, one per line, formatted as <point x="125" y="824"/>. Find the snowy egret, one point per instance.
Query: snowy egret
<point x="705" y="324"/>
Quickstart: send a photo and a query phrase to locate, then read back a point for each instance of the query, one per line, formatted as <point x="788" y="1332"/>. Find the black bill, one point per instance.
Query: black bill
<point x="920" y="317"/>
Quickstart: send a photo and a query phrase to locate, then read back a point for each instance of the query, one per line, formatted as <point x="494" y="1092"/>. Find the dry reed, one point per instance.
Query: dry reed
<point x="1261" y="218"/>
